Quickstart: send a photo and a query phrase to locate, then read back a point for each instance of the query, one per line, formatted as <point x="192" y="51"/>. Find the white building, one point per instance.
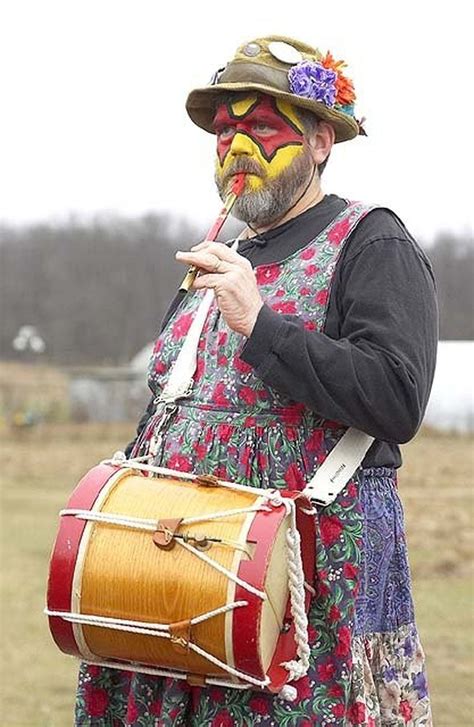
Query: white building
<point x="451" y="405"/>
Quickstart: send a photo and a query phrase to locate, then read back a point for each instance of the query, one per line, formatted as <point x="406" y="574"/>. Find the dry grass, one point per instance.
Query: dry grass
<point x="35" y="390"/>
<point x="41" y="466"/>
<point x="39" y="470"/>
<point x="436" y="484"/>
<point x="436" y="488"/>
<point x="14" y="374"/>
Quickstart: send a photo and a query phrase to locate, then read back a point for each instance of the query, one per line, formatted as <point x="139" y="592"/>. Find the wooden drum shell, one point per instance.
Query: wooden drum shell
<point x="112" y="571"/>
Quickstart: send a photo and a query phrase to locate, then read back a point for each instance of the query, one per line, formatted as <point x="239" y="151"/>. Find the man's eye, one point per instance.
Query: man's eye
<point x="225" y="132"/>
<point x="262" y="128"/>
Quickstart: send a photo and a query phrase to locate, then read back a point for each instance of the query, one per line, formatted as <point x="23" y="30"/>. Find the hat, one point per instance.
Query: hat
<point x="288" y="69"/>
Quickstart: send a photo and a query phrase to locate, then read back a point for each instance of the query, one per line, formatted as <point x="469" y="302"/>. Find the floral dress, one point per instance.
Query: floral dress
<point x="367" y="664"/>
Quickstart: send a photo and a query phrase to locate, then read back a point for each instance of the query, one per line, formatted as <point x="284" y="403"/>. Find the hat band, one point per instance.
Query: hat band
<point x="255" y="73"/>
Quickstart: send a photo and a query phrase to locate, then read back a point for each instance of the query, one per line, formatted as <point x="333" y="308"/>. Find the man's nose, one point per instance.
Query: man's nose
<point x="241" y="144"/>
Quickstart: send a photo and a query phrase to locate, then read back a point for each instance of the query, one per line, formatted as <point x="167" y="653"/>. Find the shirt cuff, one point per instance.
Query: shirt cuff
<point x="264" y="337"/>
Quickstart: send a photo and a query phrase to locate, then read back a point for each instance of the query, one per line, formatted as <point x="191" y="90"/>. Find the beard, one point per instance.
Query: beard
<point x="263" y="206"/>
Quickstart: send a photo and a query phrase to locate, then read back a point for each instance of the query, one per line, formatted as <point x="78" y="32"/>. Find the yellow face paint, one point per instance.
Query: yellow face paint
<point x="266" y="132"/>
<point x="242" y="107"/>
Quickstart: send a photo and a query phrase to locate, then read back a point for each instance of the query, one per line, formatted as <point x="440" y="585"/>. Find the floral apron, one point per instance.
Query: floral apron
<point x="367" y="665"/>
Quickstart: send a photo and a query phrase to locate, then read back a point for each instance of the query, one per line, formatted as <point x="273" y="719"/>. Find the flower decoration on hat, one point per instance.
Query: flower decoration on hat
<point x="325" y="82"/>
<point x="345" y="95"/>
<point x="312" y="80"/>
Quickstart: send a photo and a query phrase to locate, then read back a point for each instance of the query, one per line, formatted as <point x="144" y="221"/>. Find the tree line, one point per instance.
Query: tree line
<point x="96" y="290"/>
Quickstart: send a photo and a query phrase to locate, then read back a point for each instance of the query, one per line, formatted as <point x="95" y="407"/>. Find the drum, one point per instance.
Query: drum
<point x="183" y="576"/>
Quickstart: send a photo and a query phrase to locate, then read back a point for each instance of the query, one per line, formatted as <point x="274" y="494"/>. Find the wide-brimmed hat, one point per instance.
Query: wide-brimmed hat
<point x="286" y="69"/>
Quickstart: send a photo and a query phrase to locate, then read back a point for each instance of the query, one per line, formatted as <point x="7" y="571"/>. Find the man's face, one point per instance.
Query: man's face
<point x="264" y="130"/>
<point x="262" y="136"/>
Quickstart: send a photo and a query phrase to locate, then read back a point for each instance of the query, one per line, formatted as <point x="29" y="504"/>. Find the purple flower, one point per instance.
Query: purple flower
<point x="408" y="647"/>
<point x="312" y="80"/>
<point x="301" y="82"/>
<point x="419" y="683"/>
<point x="390" y="674"/>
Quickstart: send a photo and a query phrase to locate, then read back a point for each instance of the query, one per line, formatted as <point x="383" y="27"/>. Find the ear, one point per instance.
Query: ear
<point x="321" y="141"/>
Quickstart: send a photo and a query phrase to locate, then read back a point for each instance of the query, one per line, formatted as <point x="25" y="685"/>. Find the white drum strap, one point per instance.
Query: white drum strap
<point x="181" y="377"/>
<point x="338" y="467"/>
<point x="180" y="381"/>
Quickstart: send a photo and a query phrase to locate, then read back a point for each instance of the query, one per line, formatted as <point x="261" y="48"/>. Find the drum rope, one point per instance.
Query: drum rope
<point x="296" y="584"/>
<point x="127" y="522"/>
<point x="225" y="513"/>
<point x="224" y="571"/>
<point x="141" y="668"/>
<point x="122" y="625"/>
<point x="119" y="460"/>
<point x="149" y="524"/>
<point x="147" y="627"/>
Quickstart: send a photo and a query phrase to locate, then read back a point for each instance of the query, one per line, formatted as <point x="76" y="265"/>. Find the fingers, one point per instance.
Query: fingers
<point x="230" y="282"/>
<point x="200" y="245"/>
<point x="208" y="280"/>
<point x="223" y="252"/>
<point x="205" y="261"/>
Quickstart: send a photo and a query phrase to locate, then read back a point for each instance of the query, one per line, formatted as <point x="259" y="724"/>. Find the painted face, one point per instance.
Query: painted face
<point x="264" y="131"/>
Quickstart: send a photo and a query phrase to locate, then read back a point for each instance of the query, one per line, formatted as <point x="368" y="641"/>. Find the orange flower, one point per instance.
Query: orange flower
<point x="345" y="95"/>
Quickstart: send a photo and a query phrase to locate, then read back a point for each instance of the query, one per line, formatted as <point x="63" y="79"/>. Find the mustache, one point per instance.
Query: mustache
<point x="243" y="165"/>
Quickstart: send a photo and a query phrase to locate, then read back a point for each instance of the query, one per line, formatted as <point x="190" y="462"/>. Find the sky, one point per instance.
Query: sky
<point x="94" y="122"/>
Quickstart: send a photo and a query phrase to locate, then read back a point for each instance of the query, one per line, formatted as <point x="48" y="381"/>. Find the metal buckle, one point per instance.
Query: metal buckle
<point x="318" y="500"/>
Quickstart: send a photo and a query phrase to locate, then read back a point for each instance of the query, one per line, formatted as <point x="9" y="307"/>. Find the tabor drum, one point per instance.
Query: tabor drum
<point x="181" y="575"/>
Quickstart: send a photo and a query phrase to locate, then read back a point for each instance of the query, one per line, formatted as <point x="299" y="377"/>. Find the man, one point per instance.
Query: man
<point x="324" y="318"/>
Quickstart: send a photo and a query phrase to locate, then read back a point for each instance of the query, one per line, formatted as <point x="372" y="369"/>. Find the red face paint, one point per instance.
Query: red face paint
<point x="262" y="122"/>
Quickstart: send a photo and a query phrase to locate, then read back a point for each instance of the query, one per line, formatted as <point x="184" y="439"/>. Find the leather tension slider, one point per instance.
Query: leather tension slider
<point x="207" y="481"/>
<point x="180" y="632"/>
<point x="165" y="532"/>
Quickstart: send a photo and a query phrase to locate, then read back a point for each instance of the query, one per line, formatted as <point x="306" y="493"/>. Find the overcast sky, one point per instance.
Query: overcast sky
<point x="93" y="95"/>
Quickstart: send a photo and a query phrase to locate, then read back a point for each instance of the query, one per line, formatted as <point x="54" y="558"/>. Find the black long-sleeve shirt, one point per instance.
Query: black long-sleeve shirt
<point x="372" y="367"/>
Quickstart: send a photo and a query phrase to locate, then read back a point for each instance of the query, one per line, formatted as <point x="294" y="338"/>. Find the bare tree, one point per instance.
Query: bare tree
<point x="453" y="262"/>
<point x="97" y="290"/>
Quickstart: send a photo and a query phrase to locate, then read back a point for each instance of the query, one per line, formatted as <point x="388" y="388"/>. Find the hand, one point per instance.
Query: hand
<point x="233" y="280"/>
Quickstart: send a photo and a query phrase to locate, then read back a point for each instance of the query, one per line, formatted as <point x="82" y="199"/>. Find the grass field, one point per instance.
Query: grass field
<point x="42" y="465"/>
